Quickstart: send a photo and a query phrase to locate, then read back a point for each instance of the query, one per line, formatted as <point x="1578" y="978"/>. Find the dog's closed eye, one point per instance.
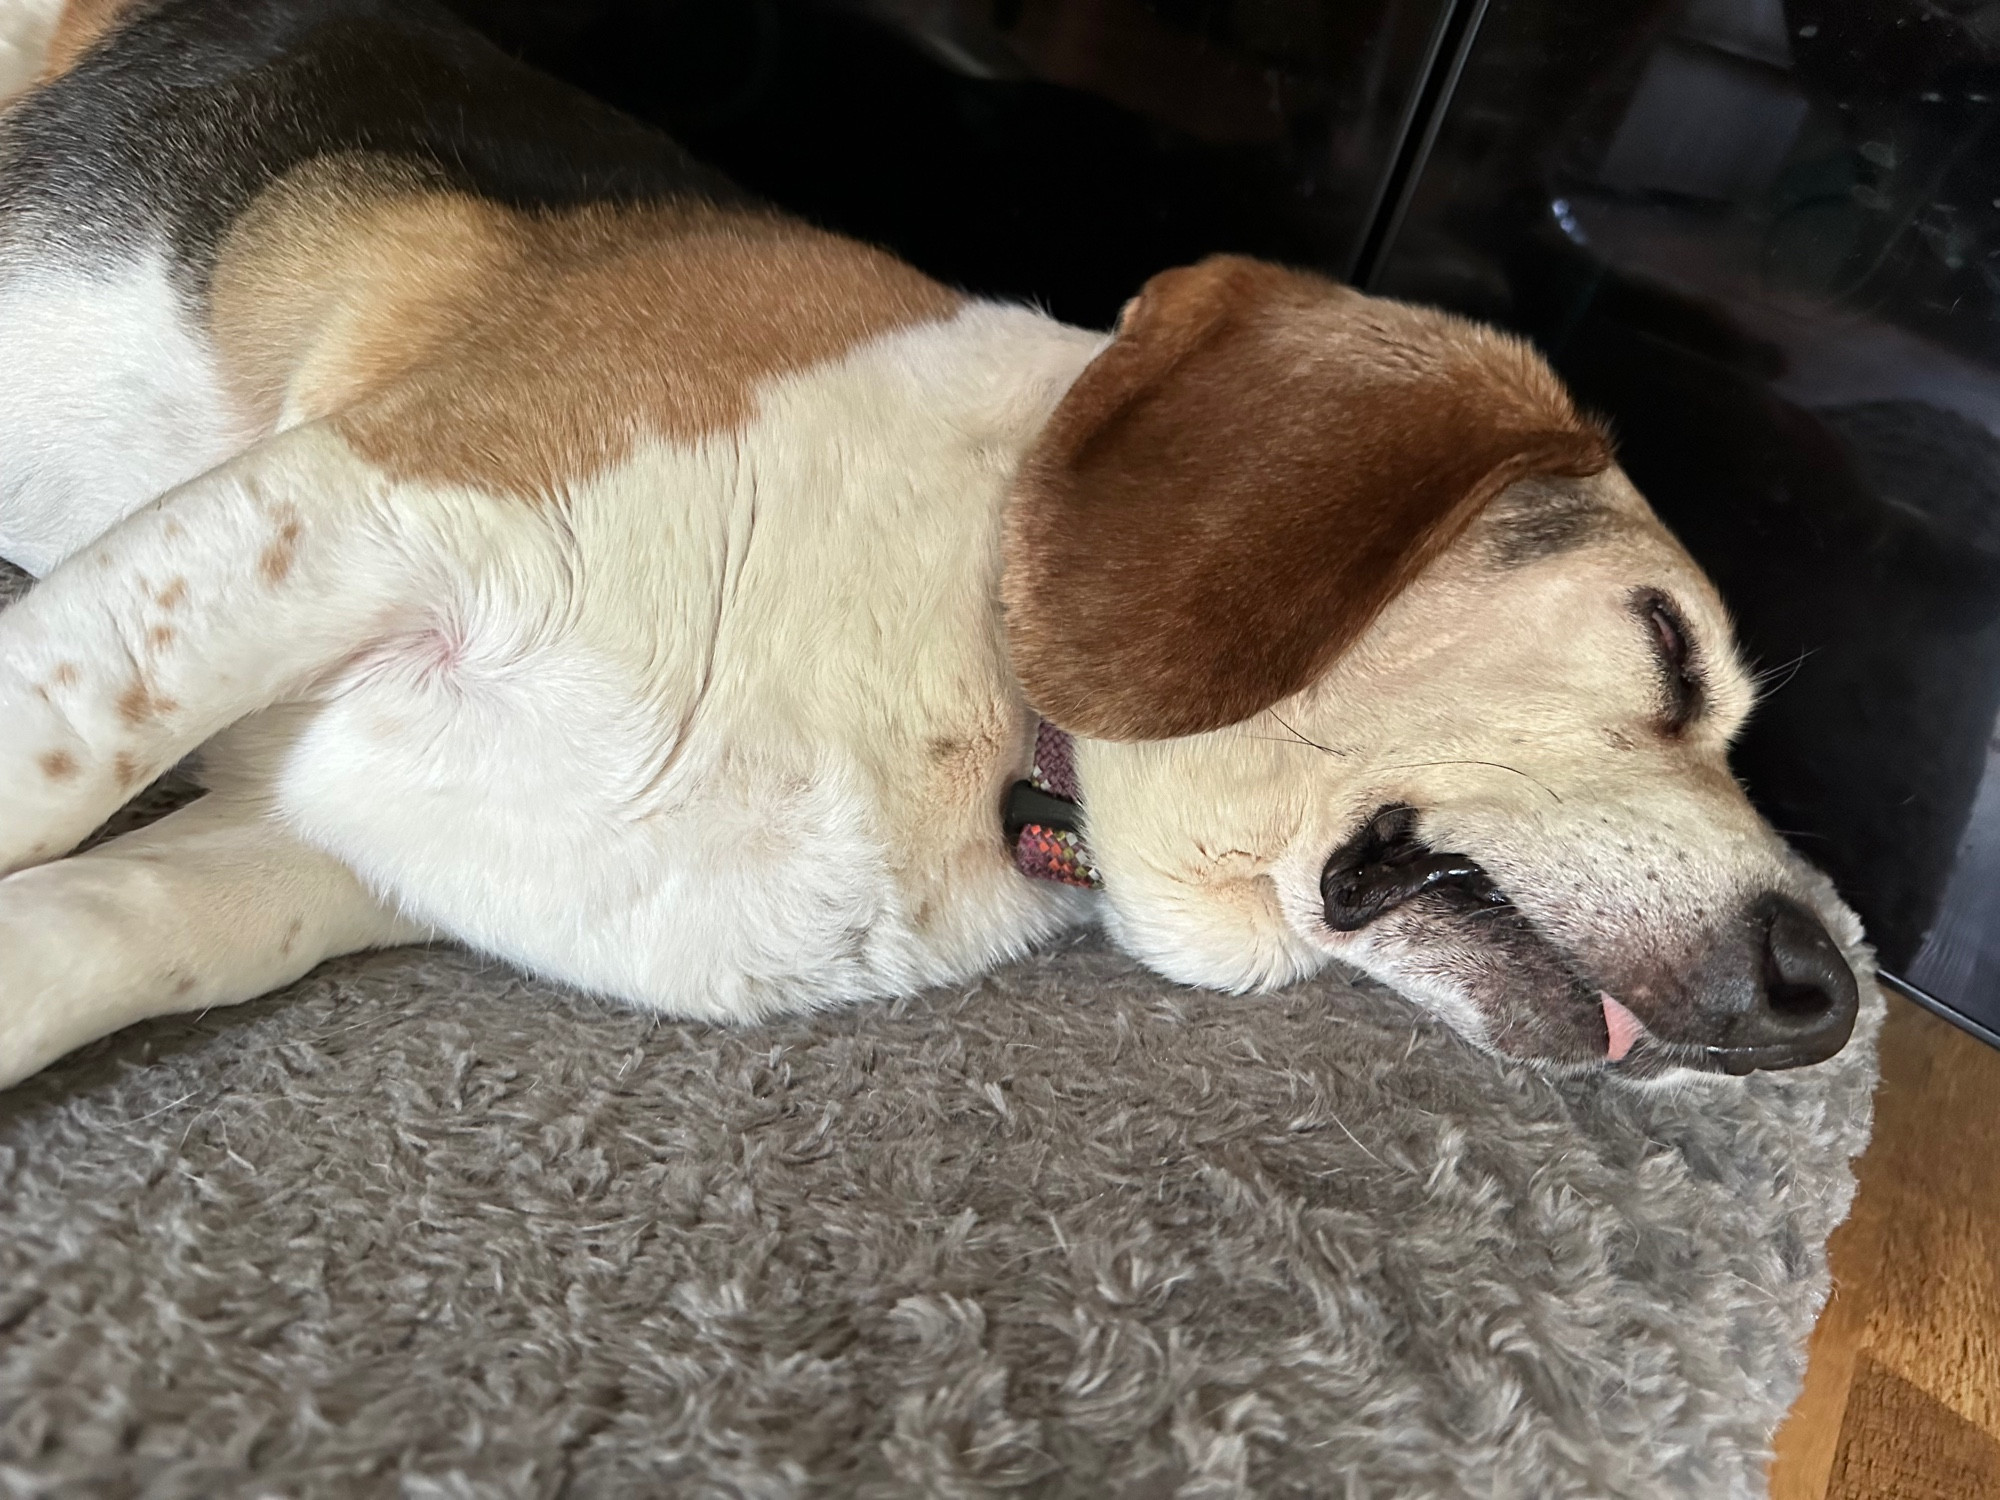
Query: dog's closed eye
<point x="1674" y="648"/>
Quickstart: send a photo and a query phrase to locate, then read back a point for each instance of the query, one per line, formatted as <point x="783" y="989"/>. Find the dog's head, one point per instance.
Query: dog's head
<point x="1373" y="654"/>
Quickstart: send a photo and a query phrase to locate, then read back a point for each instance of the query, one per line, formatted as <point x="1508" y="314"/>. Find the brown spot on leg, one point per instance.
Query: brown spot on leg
<point x="57" y="765"/>
<point x="183" y="982"/>
<point x="292" y="934"/>
<point x="160" y="637"/>
<point x="128" y="771"/>
<point x="65" y="675"/>
<point x="139" y="703"/>
<point x="276" y="563"/>
<point x="170" y="597"/>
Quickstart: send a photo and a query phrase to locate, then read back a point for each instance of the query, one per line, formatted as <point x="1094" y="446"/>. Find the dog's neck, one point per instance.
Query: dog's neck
<point x="1042" y="815"/>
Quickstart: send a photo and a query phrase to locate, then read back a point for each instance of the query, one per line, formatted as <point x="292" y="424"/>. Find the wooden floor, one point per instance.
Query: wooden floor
<point x="1902" y="1397"/>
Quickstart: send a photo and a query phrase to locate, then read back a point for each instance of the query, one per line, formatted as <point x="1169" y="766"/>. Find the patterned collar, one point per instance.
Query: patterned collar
<point x="1042" y="814"/>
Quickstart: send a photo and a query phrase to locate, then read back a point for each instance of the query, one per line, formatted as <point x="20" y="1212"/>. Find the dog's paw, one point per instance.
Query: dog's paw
<point x="54" y="789"/>
<point x="63" y="969"/>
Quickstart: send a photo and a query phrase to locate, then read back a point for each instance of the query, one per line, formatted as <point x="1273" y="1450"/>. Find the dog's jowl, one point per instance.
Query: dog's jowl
<point x="548" y="547"/>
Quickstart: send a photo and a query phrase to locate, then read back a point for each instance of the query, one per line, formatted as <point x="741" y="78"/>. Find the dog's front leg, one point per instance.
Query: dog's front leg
<point x="224" y="596"/>
<point x="212" y="905"/>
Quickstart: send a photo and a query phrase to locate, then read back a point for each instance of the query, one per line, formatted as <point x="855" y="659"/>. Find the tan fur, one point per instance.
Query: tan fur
<point x="139" y="703"/>
<point x="83" y="24"/>
<point x="1238" y="485"/>
<point x="463" y="342"/>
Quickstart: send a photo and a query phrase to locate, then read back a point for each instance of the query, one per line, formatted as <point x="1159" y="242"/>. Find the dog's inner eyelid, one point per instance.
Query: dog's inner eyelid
<point x="1674" y="647"/>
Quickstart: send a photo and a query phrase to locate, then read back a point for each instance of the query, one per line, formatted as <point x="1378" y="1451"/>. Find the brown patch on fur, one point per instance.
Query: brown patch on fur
<point x="291" y="936"/>
<point x="459" y="341"/>
<point x="172" y="596"/>
<point x="160" y="637"/>
<point x="57" y="765"/>
<point x="275" y="564"/>
<point x="81" y="26"/>
<point x="137" y="704"/>
<point x="1236" y="487"/>
<point x="128" y="771"/>
<point x="66" y="674"/>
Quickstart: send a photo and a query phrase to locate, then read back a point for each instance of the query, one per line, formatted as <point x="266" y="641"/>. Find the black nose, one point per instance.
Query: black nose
<point x="1803" y="998"/>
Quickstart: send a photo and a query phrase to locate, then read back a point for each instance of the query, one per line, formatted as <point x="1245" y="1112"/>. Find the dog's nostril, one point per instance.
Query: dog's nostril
<point x="1805" y="1002"/>
<point x="1804" y="998"/>
<point x="1806" y="977"/>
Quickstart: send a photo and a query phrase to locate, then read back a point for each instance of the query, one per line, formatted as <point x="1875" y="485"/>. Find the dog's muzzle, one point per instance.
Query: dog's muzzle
<point x="1772" y="991"/>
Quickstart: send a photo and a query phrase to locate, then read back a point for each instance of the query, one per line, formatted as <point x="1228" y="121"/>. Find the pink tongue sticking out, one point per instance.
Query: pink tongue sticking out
<point x="1624" y="1027"/>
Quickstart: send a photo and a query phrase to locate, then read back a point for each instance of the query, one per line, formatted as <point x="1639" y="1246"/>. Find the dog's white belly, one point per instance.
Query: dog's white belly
<point x="548" y="776"/>
<point x="109" y="397"/>
<point x="723" y="731"/>
<point x="541" y="818"/>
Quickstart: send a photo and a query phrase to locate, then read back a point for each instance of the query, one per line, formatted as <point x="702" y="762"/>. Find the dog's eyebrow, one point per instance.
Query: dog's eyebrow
<point x="1542" y="522"/>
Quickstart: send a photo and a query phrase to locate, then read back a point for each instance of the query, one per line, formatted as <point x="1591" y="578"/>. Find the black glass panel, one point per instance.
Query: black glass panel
<point x="1764" y="239"/>
<point x="1055" y="150"/>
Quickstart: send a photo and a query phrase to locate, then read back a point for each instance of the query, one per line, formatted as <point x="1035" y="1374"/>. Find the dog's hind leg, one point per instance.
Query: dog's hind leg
<point x="223" y="597"/>
<point x="212" y="905"/>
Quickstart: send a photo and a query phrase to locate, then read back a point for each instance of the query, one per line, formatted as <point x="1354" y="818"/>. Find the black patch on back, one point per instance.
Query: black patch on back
<point x="168" y="128"/>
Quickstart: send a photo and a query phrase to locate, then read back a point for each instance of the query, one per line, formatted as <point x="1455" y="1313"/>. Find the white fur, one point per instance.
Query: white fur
<point x="26" y="27"/>
<point x="108" y="398"/>
<point x="208" y="906"/>
<point x="674" y="720"/>
<point x="658" y="705"/>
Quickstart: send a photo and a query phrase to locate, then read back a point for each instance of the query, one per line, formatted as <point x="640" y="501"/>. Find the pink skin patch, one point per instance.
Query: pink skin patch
<point x="1624" y="1028"/>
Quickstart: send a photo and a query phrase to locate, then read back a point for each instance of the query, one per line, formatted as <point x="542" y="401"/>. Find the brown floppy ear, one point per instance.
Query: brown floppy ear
<point x="1236" y="486"/>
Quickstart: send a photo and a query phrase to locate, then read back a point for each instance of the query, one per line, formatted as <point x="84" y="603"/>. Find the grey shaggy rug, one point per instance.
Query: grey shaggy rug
<point x="421" y="1227"/>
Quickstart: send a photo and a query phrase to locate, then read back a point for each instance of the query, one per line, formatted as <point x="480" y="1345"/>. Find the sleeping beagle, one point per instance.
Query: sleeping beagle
<point x="549" y="547"/>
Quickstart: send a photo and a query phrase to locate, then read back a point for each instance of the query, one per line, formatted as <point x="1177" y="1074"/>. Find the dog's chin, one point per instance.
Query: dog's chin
<point x="1491" y="977"/>
<point x="1555" y="1035"/>
<point x="1502" y="986"/>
